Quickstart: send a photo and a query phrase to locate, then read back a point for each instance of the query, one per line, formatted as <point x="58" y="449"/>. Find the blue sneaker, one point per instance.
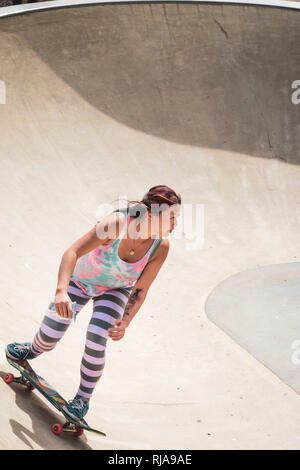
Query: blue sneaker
<point x="19" y="351"/>
<point x="77" y="408"/>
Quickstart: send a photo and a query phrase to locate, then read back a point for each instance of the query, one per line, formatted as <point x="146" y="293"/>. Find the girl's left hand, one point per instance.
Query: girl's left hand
<point x="118" y="330"/>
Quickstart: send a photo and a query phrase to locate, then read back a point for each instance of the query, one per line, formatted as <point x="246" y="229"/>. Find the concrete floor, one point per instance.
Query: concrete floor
<point x="260" y="308"/>
<point x="107" y="101"/>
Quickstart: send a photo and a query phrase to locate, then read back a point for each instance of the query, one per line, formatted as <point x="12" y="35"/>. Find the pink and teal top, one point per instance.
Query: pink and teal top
<point x="103" y="269"/>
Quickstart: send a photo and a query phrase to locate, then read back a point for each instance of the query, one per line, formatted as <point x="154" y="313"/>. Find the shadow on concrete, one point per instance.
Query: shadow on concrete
<point x="43" y="417"/>
<point x="215" y="76"/>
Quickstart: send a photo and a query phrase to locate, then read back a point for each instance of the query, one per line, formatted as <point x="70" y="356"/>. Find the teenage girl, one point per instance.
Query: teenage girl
<point x="114" y="264"/>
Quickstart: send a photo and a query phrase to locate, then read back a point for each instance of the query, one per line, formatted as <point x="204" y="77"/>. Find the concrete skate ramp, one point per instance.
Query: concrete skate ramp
<point x="108" y="100"/>
<point x="201" y="75"/>
<point x="259" y="308"/>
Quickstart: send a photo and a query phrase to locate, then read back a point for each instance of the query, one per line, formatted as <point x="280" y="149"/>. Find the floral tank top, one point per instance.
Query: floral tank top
<point x="102" y="268"/>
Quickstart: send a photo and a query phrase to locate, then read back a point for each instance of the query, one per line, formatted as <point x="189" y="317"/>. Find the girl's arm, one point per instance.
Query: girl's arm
<point x="142" y="285"/>
<point x="98" y="235"/>
<point x="101" y="233"/>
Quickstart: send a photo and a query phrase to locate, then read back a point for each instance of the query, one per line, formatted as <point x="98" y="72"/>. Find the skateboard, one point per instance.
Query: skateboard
<point x="31" y="380"/>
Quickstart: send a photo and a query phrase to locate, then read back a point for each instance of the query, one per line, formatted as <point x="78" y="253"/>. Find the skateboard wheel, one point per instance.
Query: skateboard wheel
<point x="79" y="432"/>
<point x="8" y="378"/>
<point x="57" y="428"/>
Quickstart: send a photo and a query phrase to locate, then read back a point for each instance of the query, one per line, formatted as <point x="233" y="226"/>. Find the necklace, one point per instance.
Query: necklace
<point x="132" y="251"/>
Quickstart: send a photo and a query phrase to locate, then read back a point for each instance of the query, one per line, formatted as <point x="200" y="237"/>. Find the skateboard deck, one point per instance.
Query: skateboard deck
<point x="32" y="380"/>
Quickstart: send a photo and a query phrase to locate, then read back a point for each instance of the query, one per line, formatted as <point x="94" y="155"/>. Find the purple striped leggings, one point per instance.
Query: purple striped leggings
<point x="107" y="307"/>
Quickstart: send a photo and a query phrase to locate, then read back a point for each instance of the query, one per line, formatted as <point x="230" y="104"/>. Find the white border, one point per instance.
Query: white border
<point x="31" y="7"/>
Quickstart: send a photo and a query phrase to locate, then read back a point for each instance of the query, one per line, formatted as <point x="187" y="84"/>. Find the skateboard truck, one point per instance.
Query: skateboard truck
<point x="57" y="428"/>
<point x="9" y="378"/>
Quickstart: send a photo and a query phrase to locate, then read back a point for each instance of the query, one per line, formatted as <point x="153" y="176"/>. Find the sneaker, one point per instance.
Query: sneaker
<point x="19" y="351"/>
<point x="77" y="408"/>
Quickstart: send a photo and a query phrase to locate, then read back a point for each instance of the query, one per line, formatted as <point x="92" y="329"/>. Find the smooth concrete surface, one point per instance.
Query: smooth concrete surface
<point x="110" y="100"/>
<point x="42" y="6"/>
<point x="260" y="309"/>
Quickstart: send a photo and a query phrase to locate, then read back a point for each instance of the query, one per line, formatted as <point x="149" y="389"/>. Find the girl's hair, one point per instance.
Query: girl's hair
<point x="153" y="199"/>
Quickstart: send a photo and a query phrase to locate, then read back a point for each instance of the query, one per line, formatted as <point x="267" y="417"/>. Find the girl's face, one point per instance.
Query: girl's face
<point x="152" y="224"/>
<point x="165" y="223"/>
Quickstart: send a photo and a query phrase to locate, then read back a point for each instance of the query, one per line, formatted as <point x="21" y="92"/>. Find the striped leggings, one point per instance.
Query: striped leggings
<point x="107" y="307"/>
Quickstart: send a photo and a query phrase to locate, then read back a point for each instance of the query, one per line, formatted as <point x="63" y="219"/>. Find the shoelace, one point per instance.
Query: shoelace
<point x="77" y="404"/>
<point x="20" y="348"/>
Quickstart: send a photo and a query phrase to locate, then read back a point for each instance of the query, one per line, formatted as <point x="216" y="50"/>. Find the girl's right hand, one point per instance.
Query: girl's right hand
<point x="63" y="305"/>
